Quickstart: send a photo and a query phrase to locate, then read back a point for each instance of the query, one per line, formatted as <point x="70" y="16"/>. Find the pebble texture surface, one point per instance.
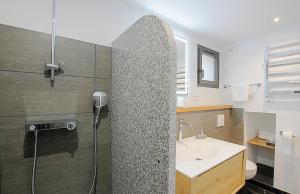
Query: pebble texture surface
<point x="144" y="109"/>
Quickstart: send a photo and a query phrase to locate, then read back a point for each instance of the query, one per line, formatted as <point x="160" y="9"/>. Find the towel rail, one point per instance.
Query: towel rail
<point x="284" y="45"/>
<point x="281" y="133"/>
<point x="282" y="72"/>
<point x="254" y="84"/>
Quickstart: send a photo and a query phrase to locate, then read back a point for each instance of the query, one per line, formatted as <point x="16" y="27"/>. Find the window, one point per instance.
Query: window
<point x="208" y="67"/>
<point x="181" y="74"/>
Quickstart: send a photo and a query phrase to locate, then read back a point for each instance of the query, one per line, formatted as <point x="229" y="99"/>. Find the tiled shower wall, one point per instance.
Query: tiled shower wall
<point x="233" y="130"/>
<point x="65" y="159"/>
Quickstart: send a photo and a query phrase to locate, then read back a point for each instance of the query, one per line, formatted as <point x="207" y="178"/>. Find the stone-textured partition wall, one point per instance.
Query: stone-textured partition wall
<point x="143" y="109"/>
<point x="65" y="159"/>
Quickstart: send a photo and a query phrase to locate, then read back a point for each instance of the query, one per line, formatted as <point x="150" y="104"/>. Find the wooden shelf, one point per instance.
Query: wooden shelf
<point x="202" y="108"/>
<point x="260" y="142"/>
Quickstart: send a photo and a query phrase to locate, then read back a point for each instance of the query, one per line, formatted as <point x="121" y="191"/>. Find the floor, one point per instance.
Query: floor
<point x="265" y="174"/>
<point x="253" y="189"/>
<point x="262" y="183"/>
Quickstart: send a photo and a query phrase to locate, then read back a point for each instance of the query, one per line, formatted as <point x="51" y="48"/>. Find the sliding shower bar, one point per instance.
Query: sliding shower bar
<point x="53" y="67"/>
<point x="53" y="32"/>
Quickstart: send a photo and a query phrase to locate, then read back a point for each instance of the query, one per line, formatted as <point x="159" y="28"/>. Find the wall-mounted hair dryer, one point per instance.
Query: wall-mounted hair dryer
<point x="100" y="99"/>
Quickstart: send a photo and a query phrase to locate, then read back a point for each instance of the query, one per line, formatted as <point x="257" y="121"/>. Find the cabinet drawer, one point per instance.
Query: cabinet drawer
<point x="226" y="178"/>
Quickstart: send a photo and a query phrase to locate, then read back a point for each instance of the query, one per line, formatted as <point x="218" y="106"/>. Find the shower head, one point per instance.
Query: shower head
<point x="100" y="99"/>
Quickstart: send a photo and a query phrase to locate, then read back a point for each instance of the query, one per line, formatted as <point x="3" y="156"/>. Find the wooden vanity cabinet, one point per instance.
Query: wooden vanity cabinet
<point x="225" y="178"/>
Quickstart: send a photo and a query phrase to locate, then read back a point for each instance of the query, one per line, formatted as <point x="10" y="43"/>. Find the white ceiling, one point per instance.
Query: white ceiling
<point x="227" y="21"/>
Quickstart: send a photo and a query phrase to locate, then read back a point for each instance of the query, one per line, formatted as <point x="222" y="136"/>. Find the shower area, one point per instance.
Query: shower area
<point x="49" y="112"/>
<point x="64" y="158"/>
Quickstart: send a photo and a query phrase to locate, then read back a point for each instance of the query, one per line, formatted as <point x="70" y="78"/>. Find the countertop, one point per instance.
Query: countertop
<point x="196" y="156"/>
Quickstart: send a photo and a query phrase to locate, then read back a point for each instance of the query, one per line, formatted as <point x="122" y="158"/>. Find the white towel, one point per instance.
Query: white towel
<point x="240" y="92"/>
<point x="252" y="91"/>
<point x="287" y="143"/>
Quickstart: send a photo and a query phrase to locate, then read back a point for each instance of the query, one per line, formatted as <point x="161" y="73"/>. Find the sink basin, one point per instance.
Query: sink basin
<point x="196" y="156"/>
<point x="186" y="152"/>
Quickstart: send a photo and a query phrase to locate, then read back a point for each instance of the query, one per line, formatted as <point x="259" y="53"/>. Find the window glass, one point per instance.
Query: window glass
<point x="208" y="67"/>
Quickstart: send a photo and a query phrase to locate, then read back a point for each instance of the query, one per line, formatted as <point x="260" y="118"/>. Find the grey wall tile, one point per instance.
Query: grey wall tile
<point x="104" y="176"/>
<point x="196" y="119"/>
<point x="27" y="51"/>
<point x="31" y="94"/>
<point x="16" y="177"/>
<point x="54" y="173"/>
<point x="59" y="173"/>
<point x="104" y="185"/>
<point x="23" y="50"/>
<point x="103" y="61"/>
<point x="206" y="120"/>
<point x="232" y="131"/>
<point x="16" y="144"/>
<point x="78" y="57"/>
<point x="237" y="125"/>
<point x="104" y="129"/>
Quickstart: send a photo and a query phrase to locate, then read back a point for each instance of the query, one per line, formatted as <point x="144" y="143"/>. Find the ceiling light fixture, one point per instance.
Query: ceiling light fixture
<point x="276" y="19"/>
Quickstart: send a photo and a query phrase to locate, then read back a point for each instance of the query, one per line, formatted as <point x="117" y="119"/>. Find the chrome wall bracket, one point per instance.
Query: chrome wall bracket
<point x="52" y="68"/>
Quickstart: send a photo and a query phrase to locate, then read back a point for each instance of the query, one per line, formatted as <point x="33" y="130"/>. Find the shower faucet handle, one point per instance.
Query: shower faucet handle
<point x="60" y="65"/>
<point x="71" y="125"/>
<point x="31" y="127"/>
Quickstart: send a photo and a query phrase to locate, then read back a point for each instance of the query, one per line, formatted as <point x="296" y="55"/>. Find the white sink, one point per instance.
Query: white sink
<point x="191" y="151"/>
<point x="196" y="156"/>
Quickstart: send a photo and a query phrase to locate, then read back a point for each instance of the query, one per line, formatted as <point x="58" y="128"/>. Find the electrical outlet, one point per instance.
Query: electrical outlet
<point x="220" y="120"/>
<point x="196" y="98"/>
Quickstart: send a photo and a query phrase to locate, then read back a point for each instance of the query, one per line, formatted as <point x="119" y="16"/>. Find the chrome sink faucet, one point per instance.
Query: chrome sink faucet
<point x="201" y="135"/>
<point x="182" y="124"/>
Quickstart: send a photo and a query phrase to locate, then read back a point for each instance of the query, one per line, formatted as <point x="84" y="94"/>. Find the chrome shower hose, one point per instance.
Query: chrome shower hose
<point x="93" y="186"/>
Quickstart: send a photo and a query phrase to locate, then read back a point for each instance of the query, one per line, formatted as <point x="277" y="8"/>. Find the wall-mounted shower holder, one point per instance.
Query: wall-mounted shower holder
<point x="52" y="68"/>
<point x="69" y="124"/>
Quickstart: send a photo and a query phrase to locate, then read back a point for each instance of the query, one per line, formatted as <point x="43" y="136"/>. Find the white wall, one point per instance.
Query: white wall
<point x="255" y="122"/>
<point x="96" y="21"/>
<point x="197" y="96"/>
<point x="101" y="22"/>
<point x="246" y="66"/>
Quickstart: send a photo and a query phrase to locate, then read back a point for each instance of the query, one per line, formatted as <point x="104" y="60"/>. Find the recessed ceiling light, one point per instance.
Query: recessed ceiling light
<point x="276" y="19"/>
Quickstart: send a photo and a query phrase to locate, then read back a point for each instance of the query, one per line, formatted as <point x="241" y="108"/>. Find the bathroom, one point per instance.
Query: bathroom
<point x="129" y="96"/>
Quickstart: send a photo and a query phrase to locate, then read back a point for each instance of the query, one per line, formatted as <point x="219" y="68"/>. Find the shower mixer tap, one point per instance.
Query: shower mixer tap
<point x="69" y="124"/>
